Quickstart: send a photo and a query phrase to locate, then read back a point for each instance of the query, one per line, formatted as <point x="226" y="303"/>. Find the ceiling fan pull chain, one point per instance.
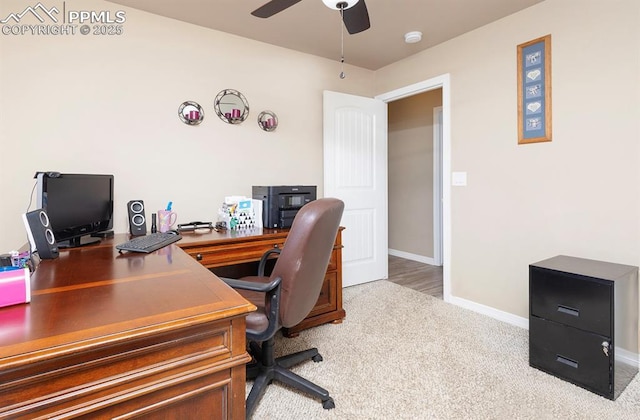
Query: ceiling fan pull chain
<point x="342" y="75"/>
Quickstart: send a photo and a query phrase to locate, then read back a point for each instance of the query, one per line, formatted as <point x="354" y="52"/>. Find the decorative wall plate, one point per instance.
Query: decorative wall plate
<point x="231" y="106"/>
<point x="190" y="113"/>
<point x="267" y="120"/>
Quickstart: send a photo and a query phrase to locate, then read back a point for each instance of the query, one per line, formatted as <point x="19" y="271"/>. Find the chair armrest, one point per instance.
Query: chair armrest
<point x="253" y="286"/>
<point x="265" y="258"/>
<point x="272" y="303"/>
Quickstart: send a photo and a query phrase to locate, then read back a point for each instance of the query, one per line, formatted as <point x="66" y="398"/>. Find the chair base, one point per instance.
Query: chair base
<point x="266" y="369"/>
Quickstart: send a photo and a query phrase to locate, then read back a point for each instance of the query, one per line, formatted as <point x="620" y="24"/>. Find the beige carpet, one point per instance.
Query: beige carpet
<point x="401" y="354"/>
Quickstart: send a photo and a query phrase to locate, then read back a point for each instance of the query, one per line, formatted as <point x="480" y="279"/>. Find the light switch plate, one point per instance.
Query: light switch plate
<point x="459" y="179"/>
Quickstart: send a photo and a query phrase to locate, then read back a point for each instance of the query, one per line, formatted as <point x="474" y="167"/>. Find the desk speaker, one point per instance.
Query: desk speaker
<point x="137" y="221"/>
<point x="40" y="234"/>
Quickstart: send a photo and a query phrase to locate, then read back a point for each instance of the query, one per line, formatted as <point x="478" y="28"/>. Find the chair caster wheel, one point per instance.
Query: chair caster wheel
<point x="317" y="358"/>
<point x="328" y="404"/>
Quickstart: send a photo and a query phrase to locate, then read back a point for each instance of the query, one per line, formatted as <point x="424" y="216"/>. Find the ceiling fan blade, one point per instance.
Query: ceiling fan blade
<point x="356" y="18"/>
<point x="273" y="7"/>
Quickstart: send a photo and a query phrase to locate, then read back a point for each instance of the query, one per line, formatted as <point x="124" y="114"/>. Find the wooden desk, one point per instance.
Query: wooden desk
<point x="226" y="252"/>
<point x="131" y="335"/>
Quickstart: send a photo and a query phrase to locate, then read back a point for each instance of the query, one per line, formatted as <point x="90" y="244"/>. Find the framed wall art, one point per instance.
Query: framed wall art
<point x="534" y="91"/>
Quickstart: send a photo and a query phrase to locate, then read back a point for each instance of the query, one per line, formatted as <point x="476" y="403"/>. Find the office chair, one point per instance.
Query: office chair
<point x="287" y="296"/>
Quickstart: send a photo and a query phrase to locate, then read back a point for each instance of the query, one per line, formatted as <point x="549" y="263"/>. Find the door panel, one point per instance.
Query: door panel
<point x="355" y="170"/>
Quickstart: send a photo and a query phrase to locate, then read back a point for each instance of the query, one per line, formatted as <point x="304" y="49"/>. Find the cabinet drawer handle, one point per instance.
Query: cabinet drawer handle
<point x="569" y="311"/>
<point x="567" y="361"/>
<point x="199" y="257"/>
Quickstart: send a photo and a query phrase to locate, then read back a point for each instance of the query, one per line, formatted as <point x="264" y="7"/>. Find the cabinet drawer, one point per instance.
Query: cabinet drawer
<point x="571" y="300"/>
<point x="327" y="299"/>
<point x="234" y="253"/>
<point x="333" y="261"/>
<point x="570" y="354"/>
<point x="109" y="375"/>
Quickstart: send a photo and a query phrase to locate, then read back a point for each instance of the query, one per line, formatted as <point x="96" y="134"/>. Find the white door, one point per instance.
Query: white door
<point x="355" y="171"/>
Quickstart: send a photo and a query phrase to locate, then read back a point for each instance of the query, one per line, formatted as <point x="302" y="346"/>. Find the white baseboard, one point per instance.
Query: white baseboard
<point x="623" y="355"/>
<point x="627" y="357"/>
<point x="464" y="303"/>
<point x="412" y="257"/>
<point x="507" y="317"/>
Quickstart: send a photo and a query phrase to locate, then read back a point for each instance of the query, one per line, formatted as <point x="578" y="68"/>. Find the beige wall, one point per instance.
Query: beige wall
<point x="578" y="195"/>
<point x="109" y="105"/>
<point x="76" y="104"/>
<point x="410" y="181"/>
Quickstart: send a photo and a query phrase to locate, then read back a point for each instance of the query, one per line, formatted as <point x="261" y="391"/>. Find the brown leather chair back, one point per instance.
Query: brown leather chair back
<point x="302" y="264"/>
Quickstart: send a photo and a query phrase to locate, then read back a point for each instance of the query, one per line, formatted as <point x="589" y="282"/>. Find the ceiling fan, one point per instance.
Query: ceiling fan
<point x="354" y="12"/>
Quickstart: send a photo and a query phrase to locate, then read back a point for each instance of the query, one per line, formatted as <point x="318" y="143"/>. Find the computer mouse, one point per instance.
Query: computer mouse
<point x="173" y="232"/>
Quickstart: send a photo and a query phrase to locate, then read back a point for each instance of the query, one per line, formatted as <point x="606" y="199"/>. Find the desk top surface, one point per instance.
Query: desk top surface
<point x="94" y="294"/>
<point x="208" y="236"/>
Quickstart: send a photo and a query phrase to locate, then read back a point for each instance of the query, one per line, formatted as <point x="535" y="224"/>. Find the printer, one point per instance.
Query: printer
<point x="280" y="204"/>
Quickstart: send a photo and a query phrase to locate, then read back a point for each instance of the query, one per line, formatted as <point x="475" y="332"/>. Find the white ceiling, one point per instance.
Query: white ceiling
<point x="311" y="27"/>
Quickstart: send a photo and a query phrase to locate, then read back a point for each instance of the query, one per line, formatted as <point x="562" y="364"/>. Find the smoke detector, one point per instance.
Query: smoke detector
<point x="413" y="37"/>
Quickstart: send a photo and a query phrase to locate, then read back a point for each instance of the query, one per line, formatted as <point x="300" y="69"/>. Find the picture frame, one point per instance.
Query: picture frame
<point x="534" y="91"/>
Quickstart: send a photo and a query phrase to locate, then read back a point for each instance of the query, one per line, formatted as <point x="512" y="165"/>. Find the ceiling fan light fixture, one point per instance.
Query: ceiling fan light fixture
<point x="413" y="37"/>
<point x="335" y="4"/>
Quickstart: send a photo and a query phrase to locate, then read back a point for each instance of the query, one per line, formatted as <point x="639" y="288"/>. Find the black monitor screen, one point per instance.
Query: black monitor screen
<point x="77" y="205"/>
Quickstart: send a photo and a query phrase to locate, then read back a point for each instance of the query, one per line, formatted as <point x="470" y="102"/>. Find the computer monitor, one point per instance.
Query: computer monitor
<point x="78" y="205"/>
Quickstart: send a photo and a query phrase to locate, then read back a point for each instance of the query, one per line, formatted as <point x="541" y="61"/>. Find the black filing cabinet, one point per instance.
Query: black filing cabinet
<point x="583" y="322"/>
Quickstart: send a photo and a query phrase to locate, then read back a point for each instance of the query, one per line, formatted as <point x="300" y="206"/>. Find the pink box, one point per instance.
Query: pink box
<point x="15" y="287"/>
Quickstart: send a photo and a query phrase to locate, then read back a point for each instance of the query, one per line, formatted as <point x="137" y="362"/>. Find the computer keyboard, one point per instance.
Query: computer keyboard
<point x="149" y="243"/>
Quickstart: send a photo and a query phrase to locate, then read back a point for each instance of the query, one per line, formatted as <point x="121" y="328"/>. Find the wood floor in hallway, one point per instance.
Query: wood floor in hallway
<point x="416" y="275"/>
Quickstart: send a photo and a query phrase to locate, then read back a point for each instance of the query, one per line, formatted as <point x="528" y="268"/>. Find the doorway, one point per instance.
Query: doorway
<point x="414" y="177"/>
<point x="441" y="82"/>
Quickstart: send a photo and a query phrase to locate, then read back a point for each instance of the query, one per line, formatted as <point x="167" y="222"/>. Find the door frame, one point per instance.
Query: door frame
<point x="443" y="82"/>
<point x="437" y="185"/>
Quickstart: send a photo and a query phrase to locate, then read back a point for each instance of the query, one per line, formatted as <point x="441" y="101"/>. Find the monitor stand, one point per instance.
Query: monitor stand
<point x="104" y="234"/>
<point x="78" y="242"/>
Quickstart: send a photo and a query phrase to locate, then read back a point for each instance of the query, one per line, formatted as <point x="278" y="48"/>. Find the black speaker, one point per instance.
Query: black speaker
<point x="137" y="221"/>
<point x="40" y="234"/>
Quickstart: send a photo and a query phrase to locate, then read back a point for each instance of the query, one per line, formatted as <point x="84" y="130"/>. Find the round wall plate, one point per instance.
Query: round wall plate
<point x="231" y="106"/>
<point x="268" y="121"/>
<point x="190" y="113"/>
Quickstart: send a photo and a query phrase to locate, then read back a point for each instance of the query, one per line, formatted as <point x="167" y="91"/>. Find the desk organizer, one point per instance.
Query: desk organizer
<point x="238" y="213"/>
<point x="15" y="287"/>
